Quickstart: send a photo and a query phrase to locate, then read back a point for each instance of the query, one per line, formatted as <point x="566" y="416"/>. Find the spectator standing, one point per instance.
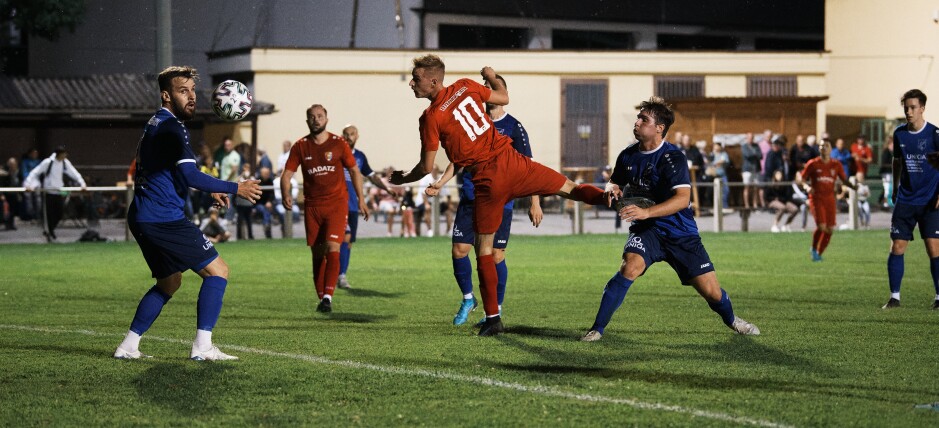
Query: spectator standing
<point x="719" y="162"/>
<point x="31" y="205"/>
<point x="766" y="144"/>
<point x="800" y="154"/>
<point x="886" y="173"/>
<point x="751" y="172"/>
<point x="265" y="204"/>
<point x="841" y="154"/>
<point x="282" y="159"/>
<point x="245" y="207"/>
<point x="49" y="177"/>
<point x="229" y="168"/>
<point x="777" y="160"/>
<point x="10" y="177"/>
<point x="263" y="160"/>
<point x="863" y="155"/>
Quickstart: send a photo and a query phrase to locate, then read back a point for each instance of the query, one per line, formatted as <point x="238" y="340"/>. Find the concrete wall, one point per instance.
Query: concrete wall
<point x="370" y="88"/>
<point x="880" y="49"/>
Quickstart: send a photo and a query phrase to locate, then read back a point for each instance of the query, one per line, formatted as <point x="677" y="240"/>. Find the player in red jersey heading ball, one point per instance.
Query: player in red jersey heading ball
<point x="457" y="120"/>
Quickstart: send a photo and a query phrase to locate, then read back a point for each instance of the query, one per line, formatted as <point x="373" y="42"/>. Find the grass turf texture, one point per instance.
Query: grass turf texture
<point x="388" y="354"/>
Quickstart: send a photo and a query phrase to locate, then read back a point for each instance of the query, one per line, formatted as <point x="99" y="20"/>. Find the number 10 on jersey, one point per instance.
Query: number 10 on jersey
<point x="470" y="122"/>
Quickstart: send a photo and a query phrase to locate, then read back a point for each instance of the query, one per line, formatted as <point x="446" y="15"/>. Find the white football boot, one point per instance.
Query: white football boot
<point x="213" y="354"/>
<point x="123" y="354"/>
<point x="591" y="336"/>
<point x="741" y="326"/>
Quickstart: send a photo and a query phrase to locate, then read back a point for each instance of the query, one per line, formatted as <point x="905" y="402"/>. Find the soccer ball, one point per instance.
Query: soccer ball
<point x="231" y="100"/>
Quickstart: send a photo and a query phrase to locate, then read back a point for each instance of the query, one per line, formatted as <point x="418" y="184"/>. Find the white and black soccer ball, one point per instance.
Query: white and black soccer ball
<point x="231" y="100"/>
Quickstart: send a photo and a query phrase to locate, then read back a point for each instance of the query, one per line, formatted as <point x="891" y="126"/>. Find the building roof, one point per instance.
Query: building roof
<point x="104" y="96"/>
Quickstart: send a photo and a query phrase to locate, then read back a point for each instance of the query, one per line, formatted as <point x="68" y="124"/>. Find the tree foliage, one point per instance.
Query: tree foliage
<point x="43" y="18"/>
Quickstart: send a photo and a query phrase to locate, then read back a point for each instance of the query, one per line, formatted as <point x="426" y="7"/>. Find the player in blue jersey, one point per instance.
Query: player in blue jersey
<point x="170" y="243"/>
<point x="351" y="135"/>
<point x="464" y="235"/>
<point x="652" y="180"/>
<point x="915" y="187"/>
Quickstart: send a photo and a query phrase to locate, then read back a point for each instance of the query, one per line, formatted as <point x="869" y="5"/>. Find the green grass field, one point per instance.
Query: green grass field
<point x="389" y="355"/>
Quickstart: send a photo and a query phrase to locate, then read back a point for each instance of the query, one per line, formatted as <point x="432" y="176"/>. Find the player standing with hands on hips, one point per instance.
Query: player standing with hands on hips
<point x="170" y="243"/>
<point x="456" y="119"/>
<point x="653" y="185"/>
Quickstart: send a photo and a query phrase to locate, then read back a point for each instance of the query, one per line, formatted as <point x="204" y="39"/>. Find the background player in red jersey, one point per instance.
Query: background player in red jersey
<point x="818" y="179"/>
<point x="456" y="119"/>
<point x="323" y="155"/>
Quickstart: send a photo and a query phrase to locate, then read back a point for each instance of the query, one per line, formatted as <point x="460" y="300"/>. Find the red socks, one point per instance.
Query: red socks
<point x="331" y="272"/>
<point x="488" y="281"/>
<point x="823" y="243"/>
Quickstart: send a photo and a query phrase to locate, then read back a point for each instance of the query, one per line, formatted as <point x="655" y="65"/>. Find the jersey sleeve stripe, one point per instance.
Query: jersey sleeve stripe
<point x="181" y="161"/>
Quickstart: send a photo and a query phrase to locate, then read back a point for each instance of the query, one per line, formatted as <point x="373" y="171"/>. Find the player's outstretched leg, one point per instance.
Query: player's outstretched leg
<point x="208" y="309"/>
<point x="613" y="295"/>
<point x="588" y="193"/>
<point x="148" y="310"/>
<point x="724" y="308"/>
<point x="895" y="277"/>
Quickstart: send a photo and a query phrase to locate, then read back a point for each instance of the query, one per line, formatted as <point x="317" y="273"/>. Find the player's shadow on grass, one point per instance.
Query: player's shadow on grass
<point x="545" y="332"/>
<point x="355" y="318"/>
<point x="364" y="292"/>
<point x="188" y="388"/>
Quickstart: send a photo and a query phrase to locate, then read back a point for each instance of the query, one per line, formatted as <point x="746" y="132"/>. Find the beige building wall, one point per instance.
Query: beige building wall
<point x="370" y="88"/>
<point x="879" y="49"/>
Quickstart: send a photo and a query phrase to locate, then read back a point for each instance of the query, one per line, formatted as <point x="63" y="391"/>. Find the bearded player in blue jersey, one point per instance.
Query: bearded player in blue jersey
<point x="351" y="134"/>
<point x="915" y="188"/>
<point x="464" y="235"/>
<point x="652" y="188"/>
<point x="170" y="243"/>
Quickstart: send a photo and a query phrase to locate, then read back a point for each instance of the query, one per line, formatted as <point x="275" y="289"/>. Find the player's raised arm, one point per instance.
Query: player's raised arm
<point x="500" y="94"/>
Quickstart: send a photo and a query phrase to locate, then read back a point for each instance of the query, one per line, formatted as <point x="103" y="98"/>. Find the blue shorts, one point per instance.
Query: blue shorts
<point x="352" y="225"/>
<point x="906" y="217"/>
<point x="686" y="255"/>
<point x="171" y="247"/>
<point x="464" y="233"/>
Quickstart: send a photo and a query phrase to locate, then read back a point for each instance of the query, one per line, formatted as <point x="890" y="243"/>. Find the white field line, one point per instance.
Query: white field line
<point x="530" y="389"/>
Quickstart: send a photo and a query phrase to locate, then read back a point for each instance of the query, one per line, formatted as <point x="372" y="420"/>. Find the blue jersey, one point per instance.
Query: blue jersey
<point x="509" y="126"/>
<point x="362" y="162"/>
<point x="919" y="181"/>
<point x="656" y="175"/>
<point x="159" y="187"/>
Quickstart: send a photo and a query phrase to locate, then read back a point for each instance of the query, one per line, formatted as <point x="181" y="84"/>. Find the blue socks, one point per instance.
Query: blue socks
<point x="723" y="308"/>
<point x="895" y="271"/>
<point x="344" y="253"/>
<point x="934" y="268"/>
<point x="503" y="272"/>
<point x="209" y="305"/>
<point x="148" y="310"/>
<point x="463" y="272"/>
<point x="613" y="295"/>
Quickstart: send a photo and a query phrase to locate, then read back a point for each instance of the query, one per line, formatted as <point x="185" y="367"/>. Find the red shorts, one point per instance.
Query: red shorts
<point x="823" y="210"/>
<point x="325" y="223"/>
<point x="508" y="176"/>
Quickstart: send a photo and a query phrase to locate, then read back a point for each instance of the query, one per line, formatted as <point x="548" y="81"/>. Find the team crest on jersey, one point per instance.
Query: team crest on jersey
<point x="922" y="145"/>
<point x="329" y="156"/>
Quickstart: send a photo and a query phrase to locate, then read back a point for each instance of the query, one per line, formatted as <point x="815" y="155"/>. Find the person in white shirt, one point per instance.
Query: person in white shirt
<point x="49" y="177"/>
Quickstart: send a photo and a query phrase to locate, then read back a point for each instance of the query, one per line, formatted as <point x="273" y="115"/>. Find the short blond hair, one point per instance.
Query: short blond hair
<point x="430" y="62"/>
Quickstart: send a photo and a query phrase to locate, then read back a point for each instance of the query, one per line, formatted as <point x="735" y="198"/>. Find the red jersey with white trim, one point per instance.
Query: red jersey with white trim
<point x="324" y="180"/>
<point x="457" y="120"/>
<point x="821" y="176"/>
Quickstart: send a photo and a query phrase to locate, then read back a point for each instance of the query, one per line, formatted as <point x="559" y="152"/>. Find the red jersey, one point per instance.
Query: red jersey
<point x="324" y="180"/>
<point x="821" y="176"/>
<point x="864" y="152"/>
<point x="457" y="120"/>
